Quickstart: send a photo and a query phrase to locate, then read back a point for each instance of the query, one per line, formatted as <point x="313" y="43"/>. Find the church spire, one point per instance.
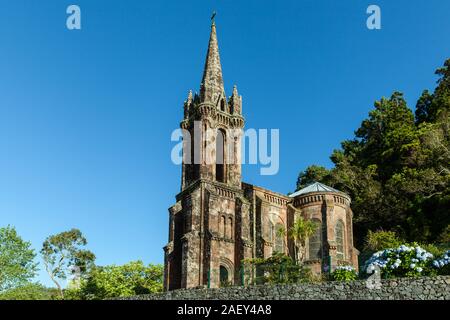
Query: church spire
<point x="212" y="87"/>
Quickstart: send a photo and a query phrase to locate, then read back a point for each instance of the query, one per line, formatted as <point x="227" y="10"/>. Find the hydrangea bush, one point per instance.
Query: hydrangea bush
<point x="404" y="261"/>
<point x="442" y="265"/>
<point x="344" y="273"/>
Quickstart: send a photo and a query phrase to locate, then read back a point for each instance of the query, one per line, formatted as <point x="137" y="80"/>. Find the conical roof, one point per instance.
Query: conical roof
<point x="315" y="187"/>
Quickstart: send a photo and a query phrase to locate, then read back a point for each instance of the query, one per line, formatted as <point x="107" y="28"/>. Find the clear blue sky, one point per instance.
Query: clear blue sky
<point x="86" y="116"/>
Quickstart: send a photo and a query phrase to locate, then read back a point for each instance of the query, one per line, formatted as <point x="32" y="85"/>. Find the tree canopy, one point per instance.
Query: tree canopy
<point x="397" y="167"/>
<point x="17" y="264"/>
<point x="63" y="255"/>
<point x="114" y="281"/>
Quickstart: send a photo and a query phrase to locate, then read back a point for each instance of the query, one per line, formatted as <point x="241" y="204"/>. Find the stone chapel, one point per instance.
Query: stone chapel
<point x="218" y="220"/>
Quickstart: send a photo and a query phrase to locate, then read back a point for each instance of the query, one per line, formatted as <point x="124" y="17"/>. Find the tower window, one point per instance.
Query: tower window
<point x="230" y="228"/>
<point x="222" y="105"/>
<point x="222" y="226"/>
<point x="220" y="156"/>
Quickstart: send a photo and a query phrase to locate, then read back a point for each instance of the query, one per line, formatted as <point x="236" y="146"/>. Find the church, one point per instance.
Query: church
<point x="218" y="220"/>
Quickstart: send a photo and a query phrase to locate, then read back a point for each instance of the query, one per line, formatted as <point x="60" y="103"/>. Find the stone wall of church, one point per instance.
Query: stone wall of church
<point x="332" y="212"/>
<point x="271" y="213"/>
<point x="221" y="217"/>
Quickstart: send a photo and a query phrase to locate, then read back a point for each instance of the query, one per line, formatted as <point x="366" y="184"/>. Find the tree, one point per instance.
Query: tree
<point x="29" y="291"/>
<point x="62" y="254"/>
<point x="300" y="232"/>
<point x="312" y="174"/>
<point x="17" y="264"/>
<point x="131" y="279"/>
<point x="397" y="167"/>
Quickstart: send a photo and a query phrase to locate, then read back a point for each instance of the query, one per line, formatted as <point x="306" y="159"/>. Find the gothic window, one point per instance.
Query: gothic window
<point x="315" y="242"/>
<point x="222" y="105"/>
<point x="339" y="233"/>
<point x="279" y="239"/>
<point x="230" y="228"/>
<point x="195" y="166"/>
<point x="220" y="156"/>
<point x="222" y="227"/>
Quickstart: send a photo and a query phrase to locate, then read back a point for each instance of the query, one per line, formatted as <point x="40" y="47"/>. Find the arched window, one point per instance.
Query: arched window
<point x="315" y="242"/>
<point x="279" y="238"/>
<point x="195" y="165"/>
<point x="220" y="156"/>
<point x="222" y="226"/>
<point x="339" y="233"/>
<point x="222" y="105"/>
<point x="230" y="228"/>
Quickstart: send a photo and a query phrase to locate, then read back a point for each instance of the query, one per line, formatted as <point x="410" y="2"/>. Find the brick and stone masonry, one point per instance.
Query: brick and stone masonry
<point x="217" y="220"/>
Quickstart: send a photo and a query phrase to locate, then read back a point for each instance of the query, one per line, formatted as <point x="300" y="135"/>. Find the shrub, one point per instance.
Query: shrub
<point x="433" y="249"/>
<point x="30" y="291"/>
<point x="344" y="273"/>
<point x="444" y="237"/>
<point x="379" y="240"/>
<point x="278" y="269"/>
<point x="442" y="265"/>
<point x="404" y="261"/>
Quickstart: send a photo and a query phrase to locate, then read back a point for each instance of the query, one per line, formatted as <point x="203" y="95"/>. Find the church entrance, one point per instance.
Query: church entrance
<point x="224" y="281"/>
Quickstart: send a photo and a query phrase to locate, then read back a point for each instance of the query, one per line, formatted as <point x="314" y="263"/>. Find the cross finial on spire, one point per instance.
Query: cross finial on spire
<point x="213" y="22"/>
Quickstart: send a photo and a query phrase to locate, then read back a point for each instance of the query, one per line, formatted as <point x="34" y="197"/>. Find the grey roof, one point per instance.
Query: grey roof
<point x="315" y="187"/>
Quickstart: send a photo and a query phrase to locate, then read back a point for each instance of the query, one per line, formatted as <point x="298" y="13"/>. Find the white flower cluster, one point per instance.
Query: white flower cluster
<point x="383" y="259"/>
<point x="445" y="260"/>
<point x="346" y="268"/>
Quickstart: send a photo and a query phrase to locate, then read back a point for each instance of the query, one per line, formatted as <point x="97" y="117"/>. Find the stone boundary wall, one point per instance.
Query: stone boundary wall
<point x="424" y="288"/>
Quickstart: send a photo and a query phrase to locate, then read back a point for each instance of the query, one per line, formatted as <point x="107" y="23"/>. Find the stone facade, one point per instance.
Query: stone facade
<point x="424" y="288"/>
<point x="217" y="220"/>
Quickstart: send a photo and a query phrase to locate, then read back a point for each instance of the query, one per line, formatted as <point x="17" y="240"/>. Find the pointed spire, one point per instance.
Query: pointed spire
<point x="188" y="104"/>
<point x="212" y="87"/>
<point x="235" y="102"/>
<point x="235" y="91"/>
<point x="189" y="98"/>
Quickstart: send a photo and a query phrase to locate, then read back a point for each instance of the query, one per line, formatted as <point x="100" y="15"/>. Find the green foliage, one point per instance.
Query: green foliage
<point x="17" y="264"/>
<point x="63" y="255"/>
<point x="344" y="273"/>
<point x="312" y="174"/>
<point x="433" y="249"/>
<point x="397" y="167"/>
<point x="278" y="269"/>
<point x="444" y="237"/>
<point x="30" y="291"/>
<point x="379" y="240"/>
<point x="300" y="232"/>
<point x="121" y="281"/>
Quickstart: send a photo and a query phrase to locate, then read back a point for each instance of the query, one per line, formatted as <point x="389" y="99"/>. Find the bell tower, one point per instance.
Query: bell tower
<point x="212" y="127"/>
<point x="209" y="231"/>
